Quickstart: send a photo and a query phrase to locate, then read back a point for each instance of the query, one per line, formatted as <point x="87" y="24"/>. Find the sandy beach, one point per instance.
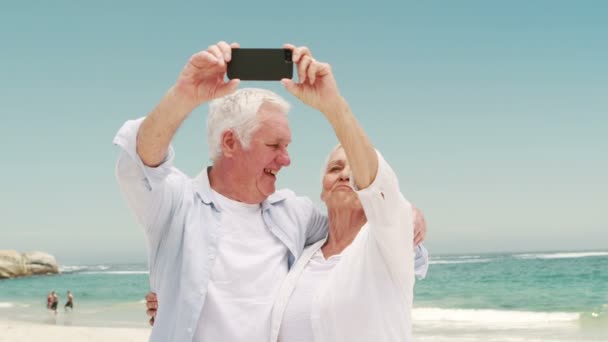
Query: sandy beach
<point x="13" y="331"/>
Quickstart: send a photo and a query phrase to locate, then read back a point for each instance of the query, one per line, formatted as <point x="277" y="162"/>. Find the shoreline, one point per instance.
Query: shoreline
<point x="14" y="330"/>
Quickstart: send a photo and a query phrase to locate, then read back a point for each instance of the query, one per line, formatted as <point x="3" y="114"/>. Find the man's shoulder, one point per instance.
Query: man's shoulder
<point x="286" y="200"/>
<point x="287" y="195"/>
<point x="292" y="212"/>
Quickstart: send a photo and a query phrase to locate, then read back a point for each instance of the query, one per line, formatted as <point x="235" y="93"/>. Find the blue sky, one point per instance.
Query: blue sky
<point x="494" y="115"/>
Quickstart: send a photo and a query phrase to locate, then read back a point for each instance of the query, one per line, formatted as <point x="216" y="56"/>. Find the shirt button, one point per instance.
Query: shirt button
<point x="189" y="330"/>
<point x="202" y="291"/>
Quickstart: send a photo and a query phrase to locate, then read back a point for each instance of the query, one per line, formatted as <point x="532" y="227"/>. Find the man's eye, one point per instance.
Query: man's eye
<point x="275" y="146"/>
<point x="335" y="168"/>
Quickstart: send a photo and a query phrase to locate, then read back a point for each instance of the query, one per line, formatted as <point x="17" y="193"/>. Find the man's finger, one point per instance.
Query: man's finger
<point x="228" y="88"/>
<point x="226" y="50"/>
<point x="417" y="239"/>
<point x="217" y="53"/>
<point x="203" y="58"/>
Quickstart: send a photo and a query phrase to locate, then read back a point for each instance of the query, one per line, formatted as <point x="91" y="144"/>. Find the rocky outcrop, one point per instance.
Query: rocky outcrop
<point x="14" y="264"/>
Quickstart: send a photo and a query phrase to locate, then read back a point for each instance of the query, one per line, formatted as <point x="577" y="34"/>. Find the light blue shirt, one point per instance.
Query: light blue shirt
<point x="181" y="220"/>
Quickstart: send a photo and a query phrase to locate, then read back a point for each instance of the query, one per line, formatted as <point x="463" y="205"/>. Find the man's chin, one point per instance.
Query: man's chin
<point x="267" y="190"/>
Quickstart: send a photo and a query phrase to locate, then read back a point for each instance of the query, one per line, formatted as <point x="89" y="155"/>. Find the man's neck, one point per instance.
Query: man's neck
<point x="224" y="180"/>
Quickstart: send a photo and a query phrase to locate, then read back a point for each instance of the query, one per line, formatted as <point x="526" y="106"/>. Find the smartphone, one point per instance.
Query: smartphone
<point x="260" y="64"/>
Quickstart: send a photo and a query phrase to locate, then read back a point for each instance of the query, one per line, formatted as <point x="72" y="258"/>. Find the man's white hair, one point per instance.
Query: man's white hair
<point x="238" y="112"/>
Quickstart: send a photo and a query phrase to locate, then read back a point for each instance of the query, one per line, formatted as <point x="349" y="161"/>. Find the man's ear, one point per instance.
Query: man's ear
<point x="229" y="143"/>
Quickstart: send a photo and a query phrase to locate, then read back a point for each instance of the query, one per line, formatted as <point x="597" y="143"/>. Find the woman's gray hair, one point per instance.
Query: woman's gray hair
<point x="327" y="160"/>
<point x="238" y="112"/>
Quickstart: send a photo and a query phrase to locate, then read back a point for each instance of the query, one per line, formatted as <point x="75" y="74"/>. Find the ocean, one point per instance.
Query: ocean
<point x="558" y="296"/>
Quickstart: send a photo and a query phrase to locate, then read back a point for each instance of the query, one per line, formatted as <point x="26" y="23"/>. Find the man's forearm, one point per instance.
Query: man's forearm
<point x="159" y="127"/>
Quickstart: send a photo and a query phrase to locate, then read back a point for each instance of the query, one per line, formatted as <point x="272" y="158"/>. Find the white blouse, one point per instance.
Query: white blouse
<point x="367" y="294"/>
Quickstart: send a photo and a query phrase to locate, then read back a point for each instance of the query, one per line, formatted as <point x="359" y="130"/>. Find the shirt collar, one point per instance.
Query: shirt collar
<point x="203" y="190"/>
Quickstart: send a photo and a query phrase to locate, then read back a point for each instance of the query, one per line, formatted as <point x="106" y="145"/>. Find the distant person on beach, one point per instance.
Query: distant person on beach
<point x="357" y="283"/>
<point x="52" y="301"/>
<point x="49" y="300"/>
<point x="211" y="293"/>
<point x="70" y="302"/>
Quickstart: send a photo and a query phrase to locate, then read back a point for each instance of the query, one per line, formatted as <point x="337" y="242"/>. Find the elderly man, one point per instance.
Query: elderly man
<point x="219" y="244"/>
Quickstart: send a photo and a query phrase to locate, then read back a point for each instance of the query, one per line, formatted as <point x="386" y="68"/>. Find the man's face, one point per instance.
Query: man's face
<point x="337" y="192"/>
<point x="267" y="153"/>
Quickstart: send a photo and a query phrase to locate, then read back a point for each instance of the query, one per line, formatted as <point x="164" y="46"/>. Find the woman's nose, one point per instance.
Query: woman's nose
<point x="345" y="174"/>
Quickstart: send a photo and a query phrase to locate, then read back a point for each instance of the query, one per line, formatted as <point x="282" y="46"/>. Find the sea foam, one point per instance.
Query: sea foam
<point x="461" y="261"/>
<point x="74" y="269"/>
<point x="117" y="272"/>
<point x="490" y="316"/>
<point x="560" y="255"/>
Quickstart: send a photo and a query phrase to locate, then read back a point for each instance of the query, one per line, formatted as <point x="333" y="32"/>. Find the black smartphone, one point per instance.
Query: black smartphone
<point x="260" y="64"/>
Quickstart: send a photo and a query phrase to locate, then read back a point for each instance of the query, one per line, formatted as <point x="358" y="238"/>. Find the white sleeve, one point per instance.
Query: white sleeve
<point x="390" y="220"/>
<point x="421" y="262"/>
<point x="151" y="193"/>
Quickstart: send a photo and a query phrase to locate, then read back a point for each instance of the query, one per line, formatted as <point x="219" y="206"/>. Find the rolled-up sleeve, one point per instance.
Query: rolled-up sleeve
<point x="421" y="262"/>
<point x="151" y="192"/>
<point x="390" y="220"/>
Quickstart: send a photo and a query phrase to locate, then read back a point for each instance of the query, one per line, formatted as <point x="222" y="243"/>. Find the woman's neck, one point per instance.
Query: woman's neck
<point x="344" y="225"/>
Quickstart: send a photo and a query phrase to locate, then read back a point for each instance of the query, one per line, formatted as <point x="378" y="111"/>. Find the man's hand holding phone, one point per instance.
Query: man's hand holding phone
<point x="203" y="78"/>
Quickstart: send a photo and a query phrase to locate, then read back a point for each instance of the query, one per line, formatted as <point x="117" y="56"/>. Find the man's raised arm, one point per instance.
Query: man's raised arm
<point x="201" y="80"/>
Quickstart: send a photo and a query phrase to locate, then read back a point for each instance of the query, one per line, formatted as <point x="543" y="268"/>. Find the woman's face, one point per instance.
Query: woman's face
<point x="337" y="192"/>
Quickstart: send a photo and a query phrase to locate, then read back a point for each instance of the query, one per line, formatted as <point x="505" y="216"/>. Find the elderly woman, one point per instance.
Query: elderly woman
<point x="357" y="284"/>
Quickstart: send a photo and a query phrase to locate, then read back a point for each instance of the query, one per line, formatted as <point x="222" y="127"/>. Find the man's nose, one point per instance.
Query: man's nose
<point x="283" y="158"/>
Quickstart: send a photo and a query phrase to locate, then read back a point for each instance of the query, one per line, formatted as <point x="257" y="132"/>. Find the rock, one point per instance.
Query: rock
<point x="11" y="264"/>
<point x="14" y="264"/>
